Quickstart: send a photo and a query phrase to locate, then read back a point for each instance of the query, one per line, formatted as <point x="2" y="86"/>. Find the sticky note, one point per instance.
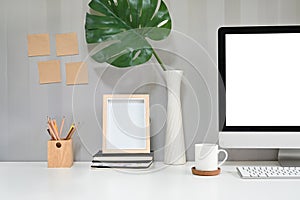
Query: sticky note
<point x="76" y="73"/>
<point x="66" y="44"/>
<point x="38" y="45"/>
<point x="49" y="71"/>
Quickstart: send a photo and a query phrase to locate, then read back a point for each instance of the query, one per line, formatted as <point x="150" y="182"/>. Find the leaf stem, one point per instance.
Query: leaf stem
<point x="159" y="61"/>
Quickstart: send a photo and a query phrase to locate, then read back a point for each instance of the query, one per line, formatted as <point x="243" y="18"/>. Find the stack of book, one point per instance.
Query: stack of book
<point x="127" y="160"/>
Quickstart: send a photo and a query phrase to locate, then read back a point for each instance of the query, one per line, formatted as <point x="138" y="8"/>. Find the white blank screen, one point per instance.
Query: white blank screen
<point x="263" y="79"/>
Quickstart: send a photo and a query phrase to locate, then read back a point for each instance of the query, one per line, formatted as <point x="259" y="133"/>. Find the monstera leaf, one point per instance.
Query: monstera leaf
<point x="127" y="24"/>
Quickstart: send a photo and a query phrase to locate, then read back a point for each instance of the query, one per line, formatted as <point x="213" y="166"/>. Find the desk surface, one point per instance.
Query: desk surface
<point x="33" y="180"/>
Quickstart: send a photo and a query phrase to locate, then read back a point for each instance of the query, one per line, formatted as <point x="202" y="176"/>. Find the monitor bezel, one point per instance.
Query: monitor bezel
<point x="222" y="31"/>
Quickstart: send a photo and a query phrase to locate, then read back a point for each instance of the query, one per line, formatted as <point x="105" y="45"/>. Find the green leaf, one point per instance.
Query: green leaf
<point x="128" y="23"/>
<point x="128" y="49"/>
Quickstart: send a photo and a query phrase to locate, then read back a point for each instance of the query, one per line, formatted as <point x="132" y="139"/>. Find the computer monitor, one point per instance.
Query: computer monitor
<point x="259" y="89"/>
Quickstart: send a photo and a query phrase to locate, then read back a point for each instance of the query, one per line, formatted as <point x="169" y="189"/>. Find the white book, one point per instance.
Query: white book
<point x="121" y="164"/>
<point x="123" y="157"/>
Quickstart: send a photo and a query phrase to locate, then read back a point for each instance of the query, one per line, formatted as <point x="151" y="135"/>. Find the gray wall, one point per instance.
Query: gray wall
<point x="24" y="104"/>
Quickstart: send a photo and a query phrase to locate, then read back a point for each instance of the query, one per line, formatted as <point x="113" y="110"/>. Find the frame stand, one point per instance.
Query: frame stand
<point x="289" y="157"/>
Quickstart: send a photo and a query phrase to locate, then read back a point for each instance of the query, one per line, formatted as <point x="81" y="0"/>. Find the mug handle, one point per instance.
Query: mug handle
<point x="226" y="156"/>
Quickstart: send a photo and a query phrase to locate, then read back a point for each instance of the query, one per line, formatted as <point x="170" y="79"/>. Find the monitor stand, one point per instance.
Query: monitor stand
<point x="289" y="157"/>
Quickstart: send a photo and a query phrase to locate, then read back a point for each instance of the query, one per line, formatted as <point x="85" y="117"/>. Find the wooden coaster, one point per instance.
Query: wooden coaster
<point x="205" y="173"/>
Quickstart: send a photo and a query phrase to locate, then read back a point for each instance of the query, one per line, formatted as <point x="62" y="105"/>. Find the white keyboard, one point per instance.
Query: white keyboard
<point x="269" y="172"/>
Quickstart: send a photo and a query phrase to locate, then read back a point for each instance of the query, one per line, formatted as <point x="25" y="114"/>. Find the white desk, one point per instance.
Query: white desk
<point x="33" y="180"/>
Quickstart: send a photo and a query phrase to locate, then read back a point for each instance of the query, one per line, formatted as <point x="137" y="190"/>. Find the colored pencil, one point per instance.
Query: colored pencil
<point x="62" y="125"/>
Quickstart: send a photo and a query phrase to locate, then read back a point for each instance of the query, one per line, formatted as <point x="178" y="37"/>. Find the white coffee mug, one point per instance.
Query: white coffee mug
<point x="206" y="157"/>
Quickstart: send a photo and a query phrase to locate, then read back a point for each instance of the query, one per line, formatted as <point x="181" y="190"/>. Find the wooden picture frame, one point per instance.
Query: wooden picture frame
<point x="126" y="123"/>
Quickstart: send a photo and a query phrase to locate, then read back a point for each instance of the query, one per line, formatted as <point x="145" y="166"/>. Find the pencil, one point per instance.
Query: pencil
<point x="51" y="132"/>
<point x="62" y="125"/>
<point x="55" y="125"/>
<point x="73" y="131"/>
<point x="48" y="130"/>
<point x="69" y="136"/>
<point x="70" y="131"/>
<point x="54" y="129"/>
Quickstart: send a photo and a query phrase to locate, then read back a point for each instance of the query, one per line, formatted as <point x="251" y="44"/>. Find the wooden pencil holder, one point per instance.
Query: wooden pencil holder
<point x="60" y="153"/>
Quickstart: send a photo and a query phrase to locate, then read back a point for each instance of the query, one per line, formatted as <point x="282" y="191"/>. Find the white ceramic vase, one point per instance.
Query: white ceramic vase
<point x="174" y="140"/>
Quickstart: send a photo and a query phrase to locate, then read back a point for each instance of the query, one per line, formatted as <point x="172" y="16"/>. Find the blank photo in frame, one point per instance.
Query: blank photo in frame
<point x="126" y="123"/>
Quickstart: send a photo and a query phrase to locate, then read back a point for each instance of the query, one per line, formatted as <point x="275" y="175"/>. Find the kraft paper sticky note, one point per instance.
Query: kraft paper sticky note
<point x="38" y="45"/>
<point x="76" y="73"/>
<point x="66" y="44"/>
<point x="49" y="71"/>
